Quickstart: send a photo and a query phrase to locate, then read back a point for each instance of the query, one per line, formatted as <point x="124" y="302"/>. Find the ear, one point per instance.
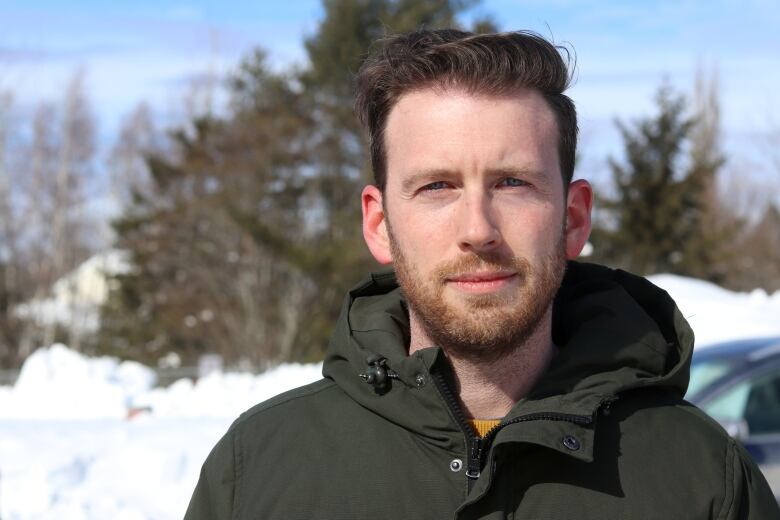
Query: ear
<point x="578" y="205"/>
<point x="375" y="225"/>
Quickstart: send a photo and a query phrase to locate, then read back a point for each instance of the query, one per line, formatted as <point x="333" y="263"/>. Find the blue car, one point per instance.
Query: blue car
<point x="738" y="384"/>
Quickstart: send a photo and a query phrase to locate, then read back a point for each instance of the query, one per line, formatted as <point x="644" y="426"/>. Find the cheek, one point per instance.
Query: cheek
<point x="423" y="238"/>
<point x="534" y="233"/>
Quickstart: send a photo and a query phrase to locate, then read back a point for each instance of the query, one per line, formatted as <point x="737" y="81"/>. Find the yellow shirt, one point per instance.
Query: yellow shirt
<point x="482" y="426"/>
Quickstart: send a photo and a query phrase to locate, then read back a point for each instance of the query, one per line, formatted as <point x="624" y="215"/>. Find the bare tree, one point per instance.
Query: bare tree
<point x="129" y="171"/>
<point x="8" y="239"/>
<point x="706" y="133"/>
<point x="759" y="201"/>
<point x="10" y="290"/>
<point x="35" y="197"/>
<point x="75" y="152"/>
<point x="52" y="193"/>
<point x="717" y="220"/>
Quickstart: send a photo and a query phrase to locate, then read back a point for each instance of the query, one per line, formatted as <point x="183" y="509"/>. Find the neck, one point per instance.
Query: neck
<point x="489" y="389"/>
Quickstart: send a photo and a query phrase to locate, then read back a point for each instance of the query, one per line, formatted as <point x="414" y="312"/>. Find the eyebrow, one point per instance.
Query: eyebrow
<point x="517" y="172"/>
<point x="422" y="177"/>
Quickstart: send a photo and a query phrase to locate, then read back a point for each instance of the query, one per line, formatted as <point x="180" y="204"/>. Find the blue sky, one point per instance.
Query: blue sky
<point x="150" y="51"/>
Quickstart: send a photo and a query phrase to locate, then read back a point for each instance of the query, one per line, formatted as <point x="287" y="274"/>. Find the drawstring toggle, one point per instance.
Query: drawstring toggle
<point x="378" y="374"/>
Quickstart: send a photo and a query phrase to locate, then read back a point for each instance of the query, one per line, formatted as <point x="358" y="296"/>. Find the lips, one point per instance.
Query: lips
<point x="482" y="277"/>
<point x="483" y="283"/>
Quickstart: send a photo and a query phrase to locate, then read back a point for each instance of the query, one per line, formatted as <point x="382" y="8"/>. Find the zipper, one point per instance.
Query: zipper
<point x="473" y="441"/>
<point x="536" y="416"/>
<point x="477" y="446"/>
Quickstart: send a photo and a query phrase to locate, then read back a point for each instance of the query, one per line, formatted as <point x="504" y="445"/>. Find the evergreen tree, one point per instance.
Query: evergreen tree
<point x="200" y="282"/>
<point x="337" y="150"/>
<point x="657" y="220"/>
<point x="249" y="236"/>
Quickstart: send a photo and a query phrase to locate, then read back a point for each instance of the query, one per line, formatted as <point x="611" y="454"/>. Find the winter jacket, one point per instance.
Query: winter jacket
<point x="605" y="434"/>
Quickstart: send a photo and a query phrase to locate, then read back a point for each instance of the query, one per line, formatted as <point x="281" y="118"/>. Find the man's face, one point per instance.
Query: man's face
<point x="474" y="214"/>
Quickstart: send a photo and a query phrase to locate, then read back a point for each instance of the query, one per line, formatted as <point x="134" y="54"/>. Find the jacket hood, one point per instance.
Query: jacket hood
<point x="615" y="332"/>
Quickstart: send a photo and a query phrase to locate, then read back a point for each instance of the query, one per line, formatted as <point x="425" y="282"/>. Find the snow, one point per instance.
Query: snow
<point x="101" y="469"/>
<point x="718" y="315"/>
<point x="93" y="438"/>
<point x="58" y="383"/>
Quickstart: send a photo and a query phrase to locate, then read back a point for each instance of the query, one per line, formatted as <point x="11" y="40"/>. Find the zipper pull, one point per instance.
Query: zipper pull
<point x="474" y="465"/>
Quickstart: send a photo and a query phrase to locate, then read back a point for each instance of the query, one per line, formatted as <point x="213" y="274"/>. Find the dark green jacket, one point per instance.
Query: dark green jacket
<point x="604" y="435"/>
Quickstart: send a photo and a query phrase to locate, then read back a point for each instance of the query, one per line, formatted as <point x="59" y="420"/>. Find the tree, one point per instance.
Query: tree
<point x="708" y="254"/>
<point x="201" y="282"/>
<point x="758" y="264"/>
<point x="337" y="149"/>
<point x="128" y="169"/>
<point x="66" y="167"/>
<point x="253" y="218"/>
<point x="660" y="219"/>
<point x="758" y="240"/>
<point x="10" y="264"/>
<point x="44" y="233"/>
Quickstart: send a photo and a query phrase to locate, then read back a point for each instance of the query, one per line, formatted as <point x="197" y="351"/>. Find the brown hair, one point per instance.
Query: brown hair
<point x="494" y="64"/>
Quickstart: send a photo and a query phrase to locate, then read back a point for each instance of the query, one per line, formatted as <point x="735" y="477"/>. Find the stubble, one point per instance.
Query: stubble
<point x="483" y="327"/>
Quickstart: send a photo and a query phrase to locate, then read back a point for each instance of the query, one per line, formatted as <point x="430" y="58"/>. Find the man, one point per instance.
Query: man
<point x="499" y="380"/>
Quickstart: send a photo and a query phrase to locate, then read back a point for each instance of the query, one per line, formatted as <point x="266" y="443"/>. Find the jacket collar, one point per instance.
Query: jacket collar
<point x="616" y="332"/>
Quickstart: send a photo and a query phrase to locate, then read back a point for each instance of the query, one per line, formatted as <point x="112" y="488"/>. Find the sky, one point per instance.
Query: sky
<point x="153" y="51"/>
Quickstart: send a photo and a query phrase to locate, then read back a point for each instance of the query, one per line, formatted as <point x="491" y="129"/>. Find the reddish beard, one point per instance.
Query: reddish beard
<point x="488" y="326"/>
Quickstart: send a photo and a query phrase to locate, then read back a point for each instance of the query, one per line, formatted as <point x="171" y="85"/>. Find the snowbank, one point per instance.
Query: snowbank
<point x="58" y="383"/>
<point x="224" y="394"/>
<point x="69" y="451"/>
<point x="718" y="315"/>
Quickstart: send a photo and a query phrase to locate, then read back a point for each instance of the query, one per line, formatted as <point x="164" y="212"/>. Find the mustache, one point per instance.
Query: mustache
<point x="471" y="263"/>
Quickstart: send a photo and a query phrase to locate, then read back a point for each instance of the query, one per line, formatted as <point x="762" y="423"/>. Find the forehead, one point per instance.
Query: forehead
<point x="458" y="130"/>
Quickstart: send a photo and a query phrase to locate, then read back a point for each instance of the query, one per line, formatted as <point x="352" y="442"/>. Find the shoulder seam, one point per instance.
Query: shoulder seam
<point x="729" y="501"/>
<point x="237" y="470"/>
<point x="325" y="383"/>
<point x="238" y="461"/>
<point x="729" y="494"/>
<point x="711" y="423"/>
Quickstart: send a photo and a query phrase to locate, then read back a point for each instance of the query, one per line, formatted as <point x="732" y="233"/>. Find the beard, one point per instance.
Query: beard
<point x="484" y="327"/>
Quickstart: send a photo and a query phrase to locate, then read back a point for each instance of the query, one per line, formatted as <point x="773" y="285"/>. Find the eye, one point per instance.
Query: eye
<point x="434" y="186"/>
<point x="512" y="182"/>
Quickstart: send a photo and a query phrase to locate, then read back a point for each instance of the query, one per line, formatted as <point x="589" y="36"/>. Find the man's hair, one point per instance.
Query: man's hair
<point x="497" y="64"/>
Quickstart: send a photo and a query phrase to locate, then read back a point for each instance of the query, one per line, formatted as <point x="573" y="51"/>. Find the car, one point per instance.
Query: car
<point x="738" y="384"/>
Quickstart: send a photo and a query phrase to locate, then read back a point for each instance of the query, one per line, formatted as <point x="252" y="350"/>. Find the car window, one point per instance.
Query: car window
<point x="730" y="405"/>
<point x="705" y="372"/>
<point x="755" y="400"/>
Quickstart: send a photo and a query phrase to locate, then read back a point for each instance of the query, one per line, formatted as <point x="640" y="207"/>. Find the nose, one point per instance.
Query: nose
<point x="478" y="230"/>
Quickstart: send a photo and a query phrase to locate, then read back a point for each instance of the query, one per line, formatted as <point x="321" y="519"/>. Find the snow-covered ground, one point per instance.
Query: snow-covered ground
<point x="73" y="447"/>
<point x="90" y="439"/>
